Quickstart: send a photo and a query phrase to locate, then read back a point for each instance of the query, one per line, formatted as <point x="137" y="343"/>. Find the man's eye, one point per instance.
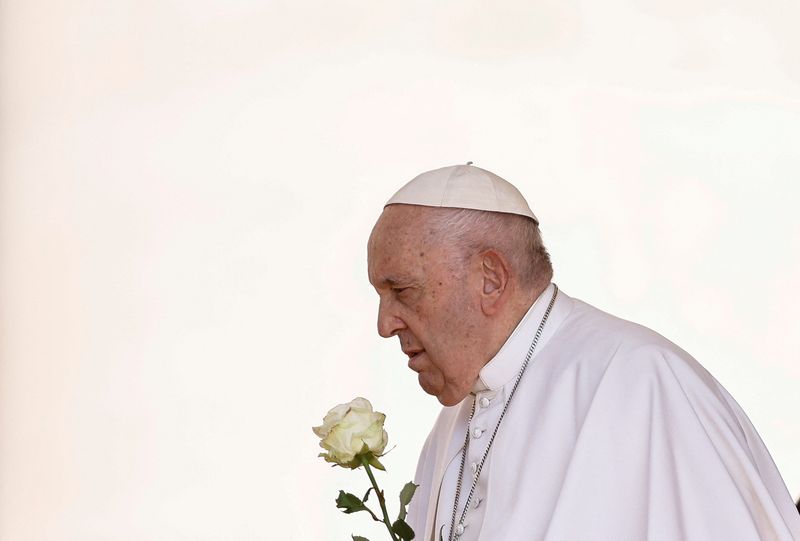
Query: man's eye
<point x="399" y="290"/>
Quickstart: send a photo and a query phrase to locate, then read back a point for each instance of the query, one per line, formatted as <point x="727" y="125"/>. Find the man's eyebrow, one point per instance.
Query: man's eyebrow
<point x="394" y="281"/>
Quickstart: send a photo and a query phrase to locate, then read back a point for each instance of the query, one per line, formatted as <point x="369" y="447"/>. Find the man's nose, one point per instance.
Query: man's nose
<point x="389" y="323"/>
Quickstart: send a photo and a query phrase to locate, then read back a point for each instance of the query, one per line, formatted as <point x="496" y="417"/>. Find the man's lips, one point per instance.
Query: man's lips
<point x="414" y="359"/>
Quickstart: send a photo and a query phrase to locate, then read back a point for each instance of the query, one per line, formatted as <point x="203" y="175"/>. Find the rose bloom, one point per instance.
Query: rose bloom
<point x="347" y="429"/>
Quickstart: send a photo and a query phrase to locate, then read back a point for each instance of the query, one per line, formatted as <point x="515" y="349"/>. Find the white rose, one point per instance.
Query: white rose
<point x="352" y="429"/>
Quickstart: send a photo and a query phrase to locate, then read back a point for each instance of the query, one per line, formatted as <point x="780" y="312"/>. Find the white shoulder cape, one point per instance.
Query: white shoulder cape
<point x="614" y="434"/>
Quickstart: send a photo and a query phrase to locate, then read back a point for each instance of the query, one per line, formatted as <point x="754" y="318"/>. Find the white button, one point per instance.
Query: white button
<point x="474" y="467"/>
<point x="477" y="502"/>
<point x="477" y="433"/>
<point x="485" y="402"/>
<point x="459" y="529"/>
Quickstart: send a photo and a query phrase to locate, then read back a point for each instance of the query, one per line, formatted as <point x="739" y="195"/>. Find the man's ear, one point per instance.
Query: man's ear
<point x="496" y="274"/>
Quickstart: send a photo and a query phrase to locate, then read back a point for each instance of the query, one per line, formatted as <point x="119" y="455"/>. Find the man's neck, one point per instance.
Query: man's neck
<point x="517" y="308"/>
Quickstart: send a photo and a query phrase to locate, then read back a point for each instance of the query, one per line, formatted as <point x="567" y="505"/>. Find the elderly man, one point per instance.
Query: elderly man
<point x="561" y="422"/>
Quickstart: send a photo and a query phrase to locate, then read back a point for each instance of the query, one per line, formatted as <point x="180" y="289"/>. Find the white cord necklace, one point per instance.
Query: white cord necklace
<point x="456" y="531"/>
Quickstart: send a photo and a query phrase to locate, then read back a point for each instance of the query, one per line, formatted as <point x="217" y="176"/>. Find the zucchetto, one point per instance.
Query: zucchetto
<point x="464" y="187"/>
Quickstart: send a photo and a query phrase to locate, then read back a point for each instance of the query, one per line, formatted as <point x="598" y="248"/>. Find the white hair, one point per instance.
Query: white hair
<point x="517" y="237"/>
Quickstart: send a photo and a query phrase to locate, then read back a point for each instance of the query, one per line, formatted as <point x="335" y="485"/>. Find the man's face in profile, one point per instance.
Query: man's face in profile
<point x="425" y="301"/>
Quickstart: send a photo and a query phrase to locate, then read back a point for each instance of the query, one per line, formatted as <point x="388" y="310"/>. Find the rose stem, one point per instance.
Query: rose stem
<point x="380" y="497"/>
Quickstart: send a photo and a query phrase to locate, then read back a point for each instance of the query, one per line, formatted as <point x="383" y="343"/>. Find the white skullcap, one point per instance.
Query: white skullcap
<point x="463" y="187"/>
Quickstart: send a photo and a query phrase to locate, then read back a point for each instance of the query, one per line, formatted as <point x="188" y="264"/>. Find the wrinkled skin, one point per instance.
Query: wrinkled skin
<point x="433" y="302"/>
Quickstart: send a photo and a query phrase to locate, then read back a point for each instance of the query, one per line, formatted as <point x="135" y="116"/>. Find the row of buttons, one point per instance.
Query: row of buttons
<point x="484" y="403"/>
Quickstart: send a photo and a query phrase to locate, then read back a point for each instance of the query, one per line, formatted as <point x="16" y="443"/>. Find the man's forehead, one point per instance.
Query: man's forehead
<point x="400" y="213"/>
<point x="395" y="233"/>
<point x="391" y="268"/>
<point x="397" y="247"/>
<point x="400" y="224"/>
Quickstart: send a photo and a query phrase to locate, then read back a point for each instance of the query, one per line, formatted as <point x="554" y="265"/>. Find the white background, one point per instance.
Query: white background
<point x="187" y="190"/>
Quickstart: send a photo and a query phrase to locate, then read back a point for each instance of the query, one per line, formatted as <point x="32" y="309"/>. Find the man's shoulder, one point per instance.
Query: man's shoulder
<point x="598" y="337"/>
<point x="590" y="325"/>
<point x="631" y="362"/>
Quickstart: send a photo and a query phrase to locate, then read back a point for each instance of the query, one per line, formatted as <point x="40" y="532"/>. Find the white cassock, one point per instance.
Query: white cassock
<point x="614" y="434"/>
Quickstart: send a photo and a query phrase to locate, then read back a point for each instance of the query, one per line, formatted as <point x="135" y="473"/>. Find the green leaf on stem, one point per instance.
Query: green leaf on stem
<point x="401" y="528"/>
<point x="405" y="498"/>
<point x="359" y="538"/>
<point x="349" y="503"/>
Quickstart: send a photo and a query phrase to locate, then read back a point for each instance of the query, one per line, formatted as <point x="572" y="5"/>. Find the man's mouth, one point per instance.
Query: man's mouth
<point x="413" y="358"/>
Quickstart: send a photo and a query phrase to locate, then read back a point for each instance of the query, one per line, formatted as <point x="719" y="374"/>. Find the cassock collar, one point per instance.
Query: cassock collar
<point x="505" y="365"/>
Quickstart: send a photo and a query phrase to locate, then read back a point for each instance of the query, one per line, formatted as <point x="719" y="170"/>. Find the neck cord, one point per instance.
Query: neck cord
<point x="456" y="533"/>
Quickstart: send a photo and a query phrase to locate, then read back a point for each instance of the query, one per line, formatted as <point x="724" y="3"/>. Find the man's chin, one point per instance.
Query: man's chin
<point x="449" y="398"/>
<point x="447" y="401"/>
<point x="446" y="396"/>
